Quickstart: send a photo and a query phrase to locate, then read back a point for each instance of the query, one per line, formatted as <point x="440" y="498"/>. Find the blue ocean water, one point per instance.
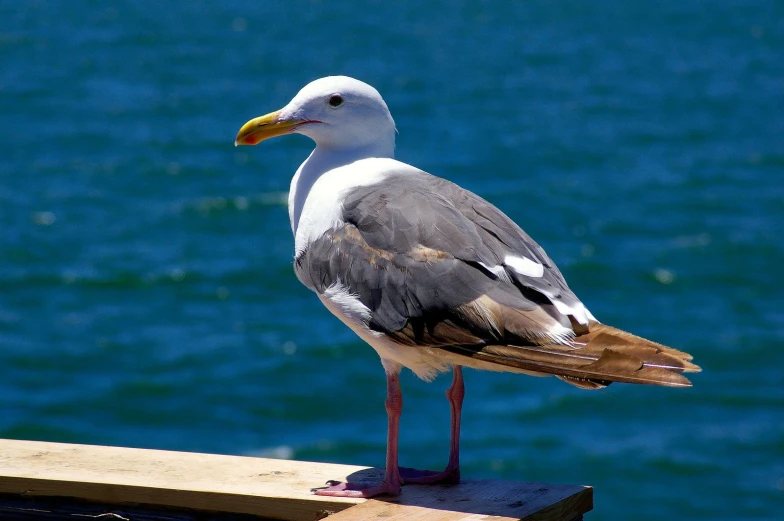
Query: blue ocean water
<point x="146" y="293"/>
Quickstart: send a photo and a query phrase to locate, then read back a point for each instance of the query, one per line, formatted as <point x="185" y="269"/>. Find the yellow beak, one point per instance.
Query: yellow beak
<point x="264" y="127"/>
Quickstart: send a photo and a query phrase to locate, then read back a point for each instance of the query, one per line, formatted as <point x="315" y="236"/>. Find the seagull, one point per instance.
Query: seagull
<point x="431" y="275"/>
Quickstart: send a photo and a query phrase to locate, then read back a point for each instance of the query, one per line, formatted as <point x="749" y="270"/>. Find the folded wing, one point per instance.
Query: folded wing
<point x="438" y="267"/>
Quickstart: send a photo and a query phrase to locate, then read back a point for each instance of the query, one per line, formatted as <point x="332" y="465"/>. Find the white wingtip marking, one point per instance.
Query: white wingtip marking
<point x="579" y="311"/>
<point x="498" y="271"/>
<point x="524" y="266"/>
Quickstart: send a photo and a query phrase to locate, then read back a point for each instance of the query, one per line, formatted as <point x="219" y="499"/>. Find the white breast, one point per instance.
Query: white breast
<point x="323" y="207"/>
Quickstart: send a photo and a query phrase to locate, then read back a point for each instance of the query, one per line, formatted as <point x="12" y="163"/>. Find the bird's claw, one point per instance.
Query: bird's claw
<point x="358" y="490"/>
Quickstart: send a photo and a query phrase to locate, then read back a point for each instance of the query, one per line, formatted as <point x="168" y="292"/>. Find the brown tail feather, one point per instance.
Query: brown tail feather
<point x="599" y="357"/>
<point x="583" y="383"/>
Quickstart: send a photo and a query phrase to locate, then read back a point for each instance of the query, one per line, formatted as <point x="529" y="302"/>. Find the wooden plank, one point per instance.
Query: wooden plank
<point x="272" y="488"/>
<point x="40" y="508"/>
<point x="478" y="500"/>
<point x="278" y="489"/>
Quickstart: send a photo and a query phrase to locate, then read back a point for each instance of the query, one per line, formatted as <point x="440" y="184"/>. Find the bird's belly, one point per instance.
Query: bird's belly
<point x="424" y="361"/>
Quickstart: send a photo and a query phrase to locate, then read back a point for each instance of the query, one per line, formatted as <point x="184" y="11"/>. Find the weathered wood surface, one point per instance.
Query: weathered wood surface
<point x="478" y="500"/>
<point x="278" y="489"/>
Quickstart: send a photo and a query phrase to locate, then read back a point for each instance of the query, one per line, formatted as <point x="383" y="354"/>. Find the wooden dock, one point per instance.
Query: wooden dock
<point x="42" y="480"/>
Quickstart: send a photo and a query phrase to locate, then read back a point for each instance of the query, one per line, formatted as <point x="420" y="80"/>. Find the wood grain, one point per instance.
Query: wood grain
<point x="475" y="500"/>
<point x="278" y="489"/>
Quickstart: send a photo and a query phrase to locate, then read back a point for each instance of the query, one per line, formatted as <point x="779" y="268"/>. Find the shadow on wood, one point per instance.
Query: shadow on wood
<point x="504" y="499"/>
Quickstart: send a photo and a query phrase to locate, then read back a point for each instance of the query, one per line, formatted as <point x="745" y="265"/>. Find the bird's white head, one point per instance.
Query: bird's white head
<point x="336" y="112"/>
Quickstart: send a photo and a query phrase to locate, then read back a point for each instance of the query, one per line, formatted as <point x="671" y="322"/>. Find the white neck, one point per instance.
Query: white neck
<point x="322" y="160"/>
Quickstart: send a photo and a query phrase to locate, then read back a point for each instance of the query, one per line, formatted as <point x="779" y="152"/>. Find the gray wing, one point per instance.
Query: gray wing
<point x="505" y="237"/>
<point x="426" y="256"/>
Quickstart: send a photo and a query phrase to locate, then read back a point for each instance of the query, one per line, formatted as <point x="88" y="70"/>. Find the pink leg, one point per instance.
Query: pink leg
<point x="391" y="483"/>
<point x="451" y="473"/>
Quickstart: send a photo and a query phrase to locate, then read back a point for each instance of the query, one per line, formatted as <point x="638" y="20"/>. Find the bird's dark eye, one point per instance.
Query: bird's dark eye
<point x="336" y="100"/>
